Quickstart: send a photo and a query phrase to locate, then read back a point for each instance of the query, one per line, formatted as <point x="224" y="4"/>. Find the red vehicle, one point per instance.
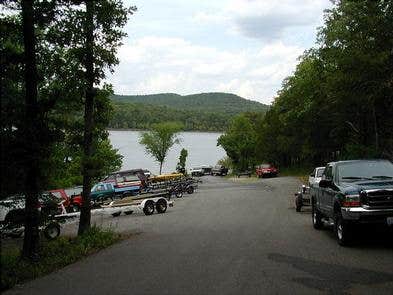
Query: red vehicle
<point x="72" y="202"/>
<point x="265" y="170"/>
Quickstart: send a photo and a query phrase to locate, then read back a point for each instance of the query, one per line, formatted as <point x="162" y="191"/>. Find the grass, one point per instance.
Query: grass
<point x="53" y="255"/>
<point x="300" y="172"/>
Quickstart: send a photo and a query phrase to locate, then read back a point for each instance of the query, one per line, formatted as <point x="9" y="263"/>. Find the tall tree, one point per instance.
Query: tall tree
<point x="102" y="24"/>
<point x="32" y="125"/>
<point x="160" y="139"/>
<point x="85" y="216"/>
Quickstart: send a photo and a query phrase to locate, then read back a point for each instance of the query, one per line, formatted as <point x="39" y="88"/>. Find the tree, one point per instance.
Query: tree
<point x="181" y="165"/>
<point x="101" y="23"/>
<point x="239" y="142"/>
<point x="52" y="113"/>
<point x="33" y="124"/>
<point x="338" y="104"/>
<point x="160" y="139"/>
<point x="28" y="130"/>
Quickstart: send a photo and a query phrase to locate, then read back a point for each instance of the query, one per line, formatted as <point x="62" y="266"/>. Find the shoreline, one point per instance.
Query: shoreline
<point x="140" y="130"/>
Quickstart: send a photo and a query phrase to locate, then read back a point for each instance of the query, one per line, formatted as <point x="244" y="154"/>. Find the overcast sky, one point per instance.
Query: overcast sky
<point x="246" y="47"/>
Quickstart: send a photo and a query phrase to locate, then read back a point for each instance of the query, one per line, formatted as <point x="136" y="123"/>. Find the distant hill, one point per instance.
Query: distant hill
<point x="205" y="111"/>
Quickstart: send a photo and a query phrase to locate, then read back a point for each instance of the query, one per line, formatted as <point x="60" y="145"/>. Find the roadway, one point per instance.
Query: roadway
<point x="230" y="237"/>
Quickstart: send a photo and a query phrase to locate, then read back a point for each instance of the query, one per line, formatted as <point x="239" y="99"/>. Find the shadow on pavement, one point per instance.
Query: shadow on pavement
<point x="334" y="279"/>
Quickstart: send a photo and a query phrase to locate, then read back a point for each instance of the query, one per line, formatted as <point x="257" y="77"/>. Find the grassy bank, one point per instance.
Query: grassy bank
<point x="301" y="172"/>
<point x="53" y="255"/>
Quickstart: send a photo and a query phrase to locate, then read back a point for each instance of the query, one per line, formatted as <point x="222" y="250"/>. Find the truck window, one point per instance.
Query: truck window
<point x="320" y="172"/>
<point x="98" y="187"/>
<point x="130" y="178"/>
<point x="328" y="173"/>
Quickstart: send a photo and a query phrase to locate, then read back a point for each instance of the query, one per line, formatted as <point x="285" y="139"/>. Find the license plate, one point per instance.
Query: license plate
<point x="389" y="220"/>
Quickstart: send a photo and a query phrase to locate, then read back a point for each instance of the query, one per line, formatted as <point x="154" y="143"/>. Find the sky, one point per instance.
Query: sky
<point x="245" y="47"/>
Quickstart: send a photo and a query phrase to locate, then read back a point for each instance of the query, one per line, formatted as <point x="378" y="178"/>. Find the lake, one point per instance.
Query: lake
<point x="201" y="146"/>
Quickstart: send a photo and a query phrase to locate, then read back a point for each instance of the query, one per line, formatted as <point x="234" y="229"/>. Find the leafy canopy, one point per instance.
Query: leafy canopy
<point x="160" y="139"/>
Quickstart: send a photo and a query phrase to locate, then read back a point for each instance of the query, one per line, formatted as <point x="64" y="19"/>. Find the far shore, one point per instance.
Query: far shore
<point x="131" y="129"/>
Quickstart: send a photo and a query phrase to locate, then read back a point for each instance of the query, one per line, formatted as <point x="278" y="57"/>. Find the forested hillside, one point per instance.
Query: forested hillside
<point x="206" y="111"/>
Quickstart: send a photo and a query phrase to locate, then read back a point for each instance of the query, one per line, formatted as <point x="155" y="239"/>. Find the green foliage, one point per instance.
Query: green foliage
<point x="181" y="165"/>
<point x="224" y="102"/>
<point x="160" y="139"/>
<point x="339" y="102"/>
<point x="195" y="112"/>
<point x="61" y="85"/>
<point x="226" y="161"/>
<point x="53" y="255"/>
<point x="240" y="141"/>
<point x="66" y="164"/>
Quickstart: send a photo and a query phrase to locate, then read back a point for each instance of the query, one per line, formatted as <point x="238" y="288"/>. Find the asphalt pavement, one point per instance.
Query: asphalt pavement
<point x="233" y="236"/>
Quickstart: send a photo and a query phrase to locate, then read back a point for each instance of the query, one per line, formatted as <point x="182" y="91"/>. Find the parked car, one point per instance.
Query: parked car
<point x="352" y="193"/>
<point x="265" y="170"/>
<point x="316" y="175"/>
<point x="108" y="191"/>
<point x="220" y="170"/>
<point x="201" y="170"/>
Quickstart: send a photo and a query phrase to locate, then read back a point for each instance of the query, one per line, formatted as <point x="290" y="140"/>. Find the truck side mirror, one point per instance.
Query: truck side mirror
<point x="325" y="183"/>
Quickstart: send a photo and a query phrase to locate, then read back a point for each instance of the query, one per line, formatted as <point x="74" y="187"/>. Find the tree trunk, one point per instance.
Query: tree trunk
<point x="160" y="167"/>
<point x="31" y="127"/>
<point x="85" y="216"/>
<point x="375" y="129"/>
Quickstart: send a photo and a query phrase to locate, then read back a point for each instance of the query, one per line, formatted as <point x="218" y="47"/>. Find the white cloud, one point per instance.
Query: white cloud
<point x="266" y="19"/>
<point x="206" y="18"/>
<point x="155" y="64"/>
<point x="185" y="47"/>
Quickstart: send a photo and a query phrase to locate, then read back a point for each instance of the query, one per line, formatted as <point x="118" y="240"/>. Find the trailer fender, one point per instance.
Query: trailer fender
<point x="143" y="203"/>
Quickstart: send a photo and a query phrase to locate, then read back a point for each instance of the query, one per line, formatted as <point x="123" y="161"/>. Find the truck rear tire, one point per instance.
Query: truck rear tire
<point x="316" y="217"/>
<point x="161" y="206"/>
<point x="149" y="208"/>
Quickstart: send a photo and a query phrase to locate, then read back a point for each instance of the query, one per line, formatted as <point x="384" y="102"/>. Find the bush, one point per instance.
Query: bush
<point x="53" y="255"/>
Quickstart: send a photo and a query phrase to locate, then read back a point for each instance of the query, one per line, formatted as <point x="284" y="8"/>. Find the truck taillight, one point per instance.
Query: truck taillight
<point x="351" y="201"/>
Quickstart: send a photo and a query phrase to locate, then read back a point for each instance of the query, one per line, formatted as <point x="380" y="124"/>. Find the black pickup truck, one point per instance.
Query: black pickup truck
<point x="353" y="193"/>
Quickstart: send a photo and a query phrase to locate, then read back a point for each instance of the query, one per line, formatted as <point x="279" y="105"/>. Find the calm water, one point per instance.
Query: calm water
<point x="201" y="146"/>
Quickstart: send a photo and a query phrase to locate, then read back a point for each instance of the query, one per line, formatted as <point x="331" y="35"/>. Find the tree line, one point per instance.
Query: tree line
<point x="145" y="116"/>
<point x="218" y="101"/>
<point x="54" y="107"/>
<point x="338" y="104"/>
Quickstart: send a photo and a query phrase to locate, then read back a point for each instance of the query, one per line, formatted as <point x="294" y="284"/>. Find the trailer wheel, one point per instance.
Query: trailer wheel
<point x="161" y="206"/>
<point x="149" y="208"/>
<point x="52" y="231"/>
<point x="116" y="214"/>
<point x="299" y="203"/>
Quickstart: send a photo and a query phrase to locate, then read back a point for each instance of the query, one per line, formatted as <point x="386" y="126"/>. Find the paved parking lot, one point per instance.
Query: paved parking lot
<point x="231" y="237"/>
